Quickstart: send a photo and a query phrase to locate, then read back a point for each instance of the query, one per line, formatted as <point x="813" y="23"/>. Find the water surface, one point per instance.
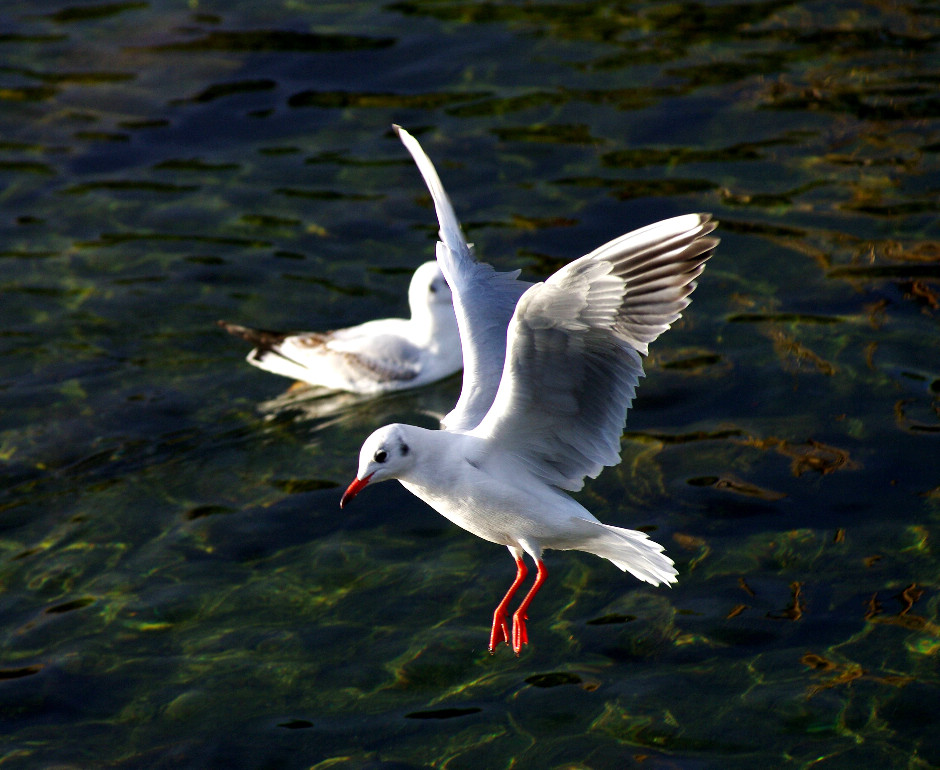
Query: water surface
<point x="179" y="587"/>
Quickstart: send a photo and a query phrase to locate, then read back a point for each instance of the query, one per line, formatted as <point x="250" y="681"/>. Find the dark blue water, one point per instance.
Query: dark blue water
<point x="178" y="587"/>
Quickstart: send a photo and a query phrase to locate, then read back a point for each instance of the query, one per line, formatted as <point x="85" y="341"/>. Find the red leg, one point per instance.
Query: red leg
<point x="500" y="632"/>
<point x="520" y="635"/>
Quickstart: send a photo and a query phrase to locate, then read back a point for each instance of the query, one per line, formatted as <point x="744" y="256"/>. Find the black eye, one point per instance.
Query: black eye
<point x="432" y="288"/>
<point x="380" y="456"/>
<point x="404" y="449"/>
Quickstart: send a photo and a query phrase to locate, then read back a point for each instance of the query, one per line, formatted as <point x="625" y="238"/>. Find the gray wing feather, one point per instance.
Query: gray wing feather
<point x="484" y="300"/>
<point x="573" y="361"/>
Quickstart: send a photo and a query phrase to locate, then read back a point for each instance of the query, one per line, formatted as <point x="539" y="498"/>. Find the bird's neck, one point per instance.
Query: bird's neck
<point x="434" y="325"/>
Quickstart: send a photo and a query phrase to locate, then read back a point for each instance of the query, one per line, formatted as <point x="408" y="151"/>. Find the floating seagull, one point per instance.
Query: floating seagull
<point x="543" y="404"/>
<point x="374" y="357"/>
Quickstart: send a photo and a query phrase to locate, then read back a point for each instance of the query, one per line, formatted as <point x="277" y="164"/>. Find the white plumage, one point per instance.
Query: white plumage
<point x="375" y="357"/>
<point x="544" y="400"/>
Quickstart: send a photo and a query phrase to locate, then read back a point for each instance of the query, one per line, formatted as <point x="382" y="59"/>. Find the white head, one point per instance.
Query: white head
<point x="386" y="454"/>
<point x="428" y="289"/>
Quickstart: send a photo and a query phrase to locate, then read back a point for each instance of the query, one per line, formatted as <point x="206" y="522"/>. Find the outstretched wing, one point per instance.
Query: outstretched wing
<point x="484" y="301"/>
<point x="573" y="360"/>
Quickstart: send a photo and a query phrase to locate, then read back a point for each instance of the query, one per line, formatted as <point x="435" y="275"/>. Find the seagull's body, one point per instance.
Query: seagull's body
<point x="374" y="357"/>
<point x="549" y="372"/>
<point x="494" y="496"/>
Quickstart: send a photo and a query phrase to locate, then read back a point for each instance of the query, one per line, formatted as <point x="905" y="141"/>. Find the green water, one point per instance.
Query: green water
<point x="178" y="587"/>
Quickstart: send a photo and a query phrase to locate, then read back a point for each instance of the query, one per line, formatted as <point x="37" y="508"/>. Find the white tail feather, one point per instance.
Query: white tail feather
<point x="632" y="551"/>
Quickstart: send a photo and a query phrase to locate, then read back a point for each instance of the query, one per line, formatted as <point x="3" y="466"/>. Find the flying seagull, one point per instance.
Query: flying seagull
<point x="549" y="373"/>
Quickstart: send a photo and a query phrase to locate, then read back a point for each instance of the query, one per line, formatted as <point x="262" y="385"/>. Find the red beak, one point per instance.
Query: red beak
<point x="354" y="489"/>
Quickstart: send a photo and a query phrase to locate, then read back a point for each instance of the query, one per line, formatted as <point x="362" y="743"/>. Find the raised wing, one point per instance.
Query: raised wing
<point x="484" y="301"/>
<point x="573" y="361"/>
